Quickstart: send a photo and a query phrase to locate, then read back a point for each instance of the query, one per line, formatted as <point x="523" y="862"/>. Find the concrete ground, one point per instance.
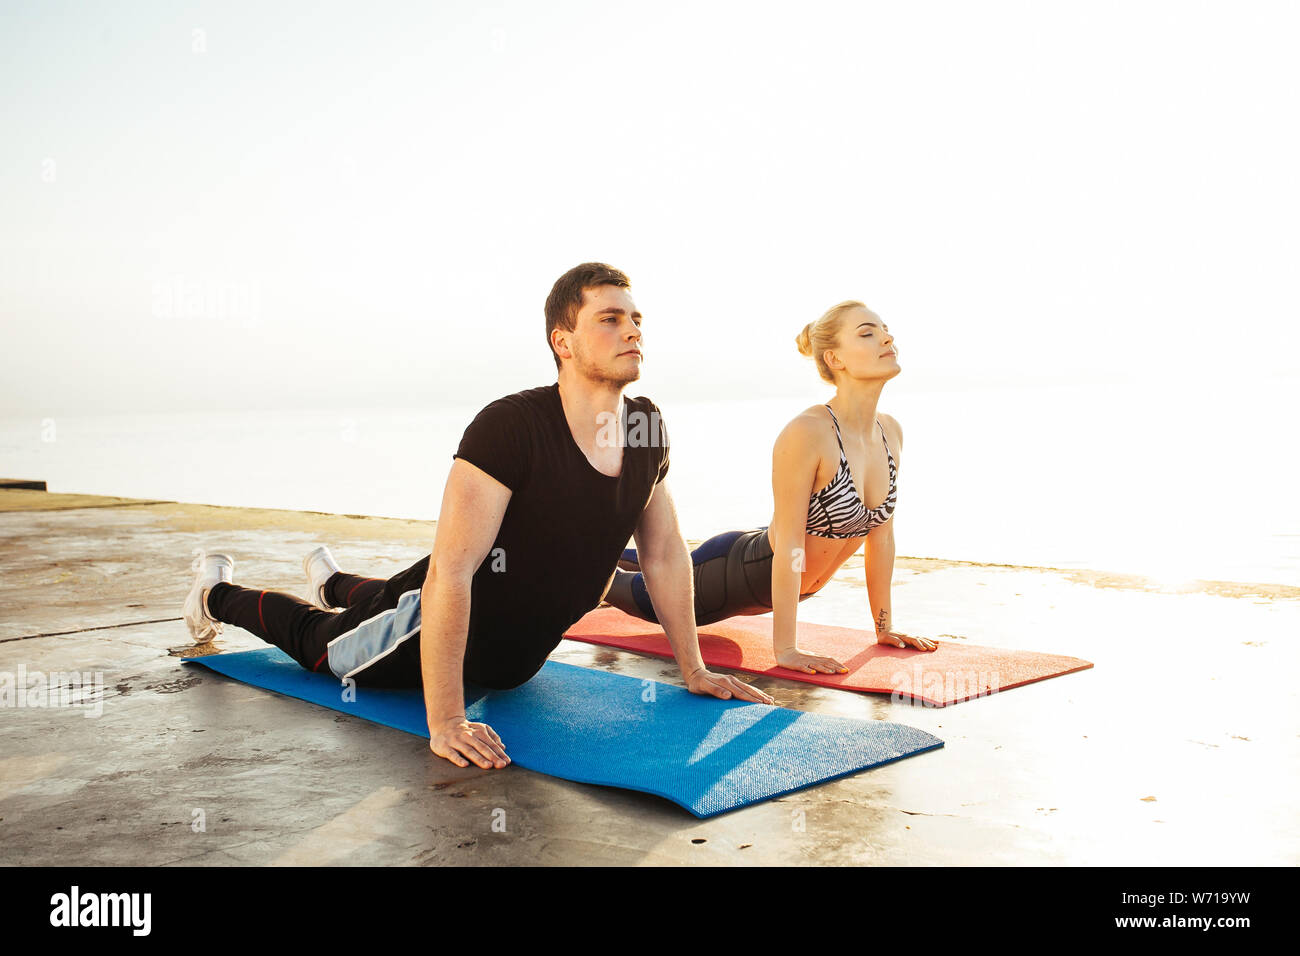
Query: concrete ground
<point x="1179" y="747"/>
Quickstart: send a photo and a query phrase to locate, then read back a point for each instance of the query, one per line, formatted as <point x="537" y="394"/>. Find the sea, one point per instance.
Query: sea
<point x="1167" y="480"/>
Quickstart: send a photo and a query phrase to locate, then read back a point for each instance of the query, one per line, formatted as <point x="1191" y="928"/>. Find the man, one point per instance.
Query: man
<point x="544" y="491"/>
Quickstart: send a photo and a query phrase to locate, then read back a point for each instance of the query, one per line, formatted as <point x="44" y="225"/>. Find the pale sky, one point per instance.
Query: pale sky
<point x="265" y="205"/>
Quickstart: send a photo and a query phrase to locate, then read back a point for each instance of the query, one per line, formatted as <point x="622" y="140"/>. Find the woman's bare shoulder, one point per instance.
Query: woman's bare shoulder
<point x="805" y="429"/>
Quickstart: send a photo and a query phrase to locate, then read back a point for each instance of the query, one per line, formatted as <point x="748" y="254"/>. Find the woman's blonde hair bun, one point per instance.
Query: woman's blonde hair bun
<point x="803" y="340"/>
<point x="821" y="335"/>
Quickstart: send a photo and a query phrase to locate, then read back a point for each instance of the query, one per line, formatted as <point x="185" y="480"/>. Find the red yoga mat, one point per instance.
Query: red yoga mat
<point x="953" y="672"/>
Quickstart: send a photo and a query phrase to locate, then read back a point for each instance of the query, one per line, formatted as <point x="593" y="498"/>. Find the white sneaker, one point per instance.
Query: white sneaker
<point x="318" y="566"/>
<point x="209" y="569"/>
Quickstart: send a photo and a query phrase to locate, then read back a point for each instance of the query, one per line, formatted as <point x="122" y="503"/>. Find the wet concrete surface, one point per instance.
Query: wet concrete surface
<point x="1178" y="748"/>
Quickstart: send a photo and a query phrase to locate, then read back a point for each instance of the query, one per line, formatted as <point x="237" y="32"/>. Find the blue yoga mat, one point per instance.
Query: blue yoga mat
<point x="591" y="726"/>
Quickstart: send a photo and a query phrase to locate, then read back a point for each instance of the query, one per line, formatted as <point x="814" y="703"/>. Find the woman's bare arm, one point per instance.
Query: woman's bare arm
<point x="878" y="558"/>
<point x="794" y="469"/>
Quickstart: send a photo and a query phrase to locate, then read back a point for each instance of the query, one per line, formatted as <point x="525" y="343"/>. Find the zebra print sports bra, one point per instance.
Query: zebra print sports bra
<point x="836" y="511"/>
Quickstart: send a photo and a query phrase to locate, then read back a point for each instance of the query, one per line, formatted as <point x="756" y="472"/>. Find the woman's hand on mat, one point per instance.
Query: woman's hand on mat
<point x="797" y="660"/>
<point x="725" y="686"/>
<point x="479" y="742"/>
<point x="899" y="639"/>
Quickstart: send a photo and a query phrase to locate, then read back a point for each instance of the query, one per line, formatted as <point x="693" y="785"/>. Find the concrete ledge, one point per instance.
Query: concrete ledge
<point x="1191" y="708"/>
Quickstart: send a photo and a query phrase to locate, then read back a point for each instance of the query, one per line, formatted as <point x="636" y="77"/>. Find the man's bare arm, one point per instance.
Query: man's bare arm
<point x="669" y="578"/>
<point x="473" y="504"/>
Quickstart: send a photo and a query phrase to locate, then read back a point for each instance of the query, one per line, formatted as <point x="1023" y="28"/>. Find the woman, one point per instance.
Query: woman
<point x="824" y="465"/>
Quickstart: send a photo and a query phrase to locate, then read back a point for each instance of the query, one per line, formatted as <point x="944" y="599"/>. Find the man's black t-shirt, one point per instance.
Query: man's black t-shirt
<point x="564" y="528"/>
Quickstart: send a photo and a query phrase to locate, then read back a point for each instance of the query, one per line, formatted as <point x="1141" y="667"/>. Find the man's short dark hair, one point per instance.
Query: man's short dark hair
<point x="565" y="300"/>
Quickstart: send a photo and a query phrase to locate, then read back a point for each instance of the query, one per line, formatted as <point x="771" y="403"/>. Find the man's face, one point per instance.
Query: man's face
<point x="606" y="336"/>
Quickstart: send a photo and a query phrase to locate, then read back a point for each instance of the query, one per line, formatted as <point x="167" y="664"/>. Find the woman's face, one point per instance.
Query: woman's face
<point x="865" y="346"/>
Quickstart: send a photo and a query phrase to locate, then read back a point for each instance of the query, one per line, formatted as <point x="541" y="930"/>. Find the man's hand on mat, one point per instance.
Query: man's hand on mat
<point x="899" y="639"/>
<point x="478" y="742"/>
<point x="797" y="660"/>
<point x="724" y="686"/>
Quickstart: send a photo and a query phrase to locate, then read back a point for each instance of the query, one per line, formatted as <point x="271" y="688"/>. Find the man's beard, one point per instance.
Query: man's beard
<point x="600" y="376"/>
